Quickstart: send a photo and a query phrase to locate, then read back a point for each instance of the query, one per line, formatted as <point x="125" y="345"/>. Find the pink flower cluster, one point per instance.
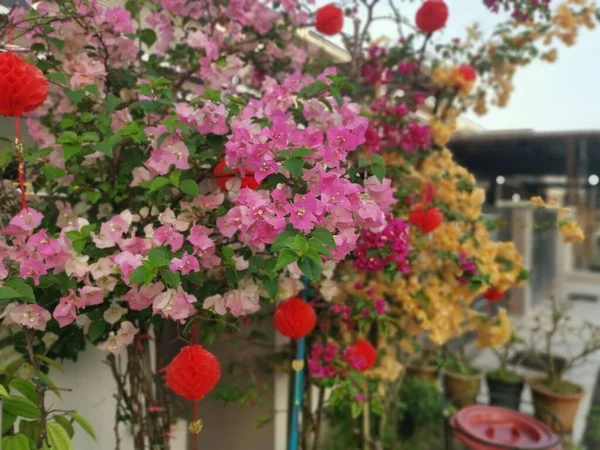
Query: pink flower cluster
<point x="322" y="360"/>
<point x="375" y="251"/>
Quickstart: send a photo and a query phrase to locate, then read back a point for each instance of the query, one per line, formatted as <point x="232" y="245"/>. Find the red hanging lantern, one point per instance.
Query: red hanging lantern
<point x="364" y="350"/>
<point x="493" y="294"/>
<point x="23" y="86"/>
<point x="329" y="19"/>
<point x="193" y="372"/>
<point x="426" y="220"/>
<point x="222" y="176"/>
<point x="295" y="318"/>
<point x="432" y="16"/>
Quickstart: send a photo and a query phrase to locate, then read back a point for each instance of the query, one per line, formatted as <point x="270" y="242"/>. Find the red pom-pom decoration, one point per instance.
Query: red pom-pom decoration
<point x="193" y="372"/>
<point x="330" y="19"/>
<point x="426" y="220"/>
<point x="222" y="176"/>
<point x="295" y="318"/>
<point x="432" y="16"/>
<point x="362" y="350"/>
<point x="23" y="86"/>
<point x="493" y="294"/>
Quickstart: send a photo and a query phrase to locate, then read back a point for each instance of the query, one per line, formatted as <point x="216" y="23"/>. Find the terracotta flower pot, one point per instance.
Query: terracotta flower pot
<point x="461" y="390"/>
<point x="551" y="407"/>
<point x="426" y="373"/>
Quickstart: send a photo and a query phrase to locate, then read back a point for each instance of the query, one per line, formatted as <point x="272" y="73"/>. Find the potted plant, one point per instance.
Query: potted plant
<point x="460" y="379"/>
<point x="504" y="384"/>
<point x="556" y="399"/>
<point x="424" y="364"/>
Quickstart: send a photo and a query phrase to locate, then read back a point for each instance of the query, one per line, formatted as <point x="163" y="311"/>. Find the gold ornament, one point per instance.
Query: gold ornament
<point x="297" y="365"/>
<point x="196" y="427"/>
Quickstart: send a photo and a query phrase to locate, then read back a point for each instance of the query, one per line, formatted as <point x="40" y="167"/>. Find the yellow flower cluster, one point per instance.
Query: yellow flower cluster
<point x="567" y="225"/>
<point x="492" y="332"/>
<point x="450" y="77"/>
<point x="432" y="298"/>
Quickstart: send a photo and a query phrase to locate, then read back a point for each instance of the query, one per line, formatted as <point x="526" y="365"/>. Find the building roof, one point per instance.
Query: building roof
<point x="525" y="152"/>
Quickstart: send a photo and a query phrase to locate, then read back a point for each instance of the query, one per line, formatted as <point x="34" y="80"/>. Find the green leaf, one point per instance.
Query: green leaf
<point x="172" y="279"/>
<point x="302" y="152"/>
<point x="282" y="239"/>
<point x="137" y="277"/>
<point x="211" y="94"/>
<point x="356" y="410"/>
<point x="93" y="197"/>
<point x="3" y="392"/>
<point x="25" y="290"/>
<point x="66" y="424"/>
<point x="311" y="268"/>
<point x="189" y="187"/>
<point x="158" y="183"/>
<point x="52" y="172"/>
<point x="318" y="246"/>
<point x="271" y="286"/>
<point x="21" y="407"/>
<point x="25" y="387"/>
<point x="112" y="102"/>
<point x="377" y="159"/>
<point x="6" y="157"/>
<point x="70" y="150"/>
<point x="83" y="423"/>
<point x="175" y="176"/>
<point x="96" y="330"/>
<point x="147" y="36"/>
<point x="90" y="136"/>
<point x="30" y="428"/>
<point x="295" y="166"/>
<point x="8" y="420"/>
<point x="57" y="77"/>
<point x="312" y="90"/>
<point x="8" y="293"/>
<point x="58" y="437"/>
<point x="325" y="236"/>
<point x="299" y="244"/>
<point x="379" y="172"/>
<point x="16" y="442"/>
<point x="75" y="96"/>
<point x="286" y="257"/>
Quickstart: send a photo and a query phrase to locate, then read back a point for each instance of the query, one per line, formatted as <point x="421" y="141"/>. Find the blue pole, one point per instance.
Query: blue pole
<point x="298" y="384"/>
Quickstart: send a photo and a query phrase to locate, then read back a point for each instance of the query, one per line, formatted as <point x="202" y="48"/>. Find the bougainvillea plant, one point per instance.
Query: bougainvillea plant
<point x="185" y="172"/>
<point x="178" y="171"/>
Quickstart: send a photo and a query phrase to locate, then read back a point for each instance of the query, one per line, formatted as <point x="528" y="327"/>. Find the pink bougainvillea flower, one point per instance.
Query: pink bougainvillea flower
<point x="30" y="316"/>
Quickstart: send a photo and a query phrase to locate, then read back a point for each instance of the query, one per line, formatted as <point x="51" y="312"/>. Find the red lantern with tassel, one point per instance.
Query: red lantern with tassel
<point x="23" y="88"/>
<point x="365" y="351"/>
<point x="329" y="19"/>
<point x="222" y="176"/>
<point x="193" y="372"/>
<point x="493" y="294"/>
<point x="295" y="318"/>
<point x="432" y="16"/>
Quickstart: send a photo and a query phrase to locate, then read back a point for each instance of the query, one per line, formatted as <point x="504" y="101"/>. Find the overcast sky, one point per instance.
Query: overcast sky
<point x="564" y="95"/>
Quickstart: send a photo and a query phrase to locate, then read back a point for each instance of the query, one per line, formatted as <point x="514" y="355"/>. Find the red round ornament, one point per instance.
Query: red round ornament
<point x="222" y="176"/>
<point x="467" y="73"/>
<point x="493" y="294"/>
<point x="193" y="372"/>
<point x="426" y="220"/>
<point x="23" y="86"/>
<point x="432" y="16"/>
<point x="330" y="19"/>
<point x="365" y="350"/>
<point x="295" y="318"/>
